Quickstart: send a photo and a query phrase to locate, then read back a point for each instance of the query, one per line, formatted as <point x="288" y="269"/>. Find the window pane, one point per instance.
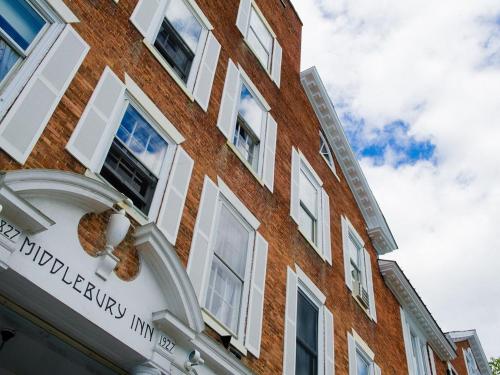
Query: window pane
<point x="325" y="151"/>
<point x="142" y="140"/>
<point x="8" y="58"/>
<point x="362" y="364"/>
<point x="185" y="23"/>
<point x="307" y="336"/>
<point x="20" y="21"/>
<point x="246" y="142"/>
<point x="232" y="242"/>
<point x="261" y="31"/>
<point x="251" y="111"/>
<point x="224" y="295"/>
<point x="307" y="224"/>
<point x="308" y="193"/>
<point x="355" y="251"/>
<point x="258" y="48"/>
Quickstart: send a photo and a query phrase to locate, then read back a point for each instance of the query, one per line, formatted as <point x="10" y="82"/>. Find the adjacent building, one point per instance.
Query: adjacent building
<point x="177" y="197"/>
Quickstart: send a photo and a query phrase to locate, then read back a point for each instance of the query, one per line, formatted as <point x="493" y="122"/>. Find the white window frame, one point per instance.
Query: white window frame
<point x="364" y="350"/>
<point x="150" y="39"/>
<point x="411" y="331"/>
<point x="141" y="102"/>
<point x="451" y="369"/>
<point x="330" y="153"/>
<point x="310" y="174"/>
<point x="22" y="71"/>
<point x="228" y="198"/>
<point x="468" y="354"/>
<point x="258" y="13"/>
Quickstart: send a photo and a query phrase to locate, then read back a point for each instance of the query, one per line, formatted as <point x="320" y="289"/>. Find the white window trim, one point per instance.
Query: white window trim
<point x="451" y="368"/>
<point x="365" y="350"/>
<point x="332" y="167"/>
<point x="412" y="328"/>
<point x="17" y="80"/>
<point x="313" y="293"/>
<point x="468" y="353"/>
<point x="258" y="174"/>
<point x="273" y="35"/>
<point x="149" y="40"/>
<point x="208" y="317"/>
<point x="163" y="126"/>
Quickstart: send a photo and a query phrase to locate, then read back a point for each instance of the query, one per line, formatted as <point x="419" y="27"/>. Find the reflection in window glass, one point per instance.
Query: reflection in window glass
<point x="227" y="274"/>
<point x="356" y="260"/>
<point x="260" y="39"/>
<point x="362" y="365"/>
<point x="179" y="37"/>
<point x="249" y="127"/>
<point x="19" y="26"/>
<point x="308" y="212"/>
<point x="306" y="362"/>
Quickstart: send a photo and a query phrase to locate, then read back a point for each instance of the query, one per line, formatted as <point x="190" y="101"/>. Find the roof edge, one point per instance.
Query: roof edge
<point x="476" y="347"/>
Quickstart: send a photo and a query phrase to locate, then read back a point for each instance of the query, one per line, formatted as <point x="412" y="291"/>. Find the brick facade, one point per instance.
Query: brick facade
<point x="115" y="42"/>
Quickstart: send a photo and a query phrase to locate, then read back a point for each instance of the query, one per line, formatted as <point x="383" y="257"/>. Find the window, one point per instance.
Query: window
<point x="229" y="271"/>
<point x="125" y="140"/>
<point x="37" y="46"/>
<point x="246" y="122"/>
<point x="471" y="362"/>
<point x="309" y="197"/>
<point x="260" y="38"/>
<point x="20" y="27"/>
<point x="418" y="356"/>
<point x="357" y="268"/>
<point x="227" y="267"/>
<point x="182" y="42"/>
<point x="326" y="152"/>
<point x="249" y="125"/>
<point x="307" y="335"/>
<point x="309" y="346"/>
<point x="361" y="357"/>
<point x="136" y="159"/>
<point x="310" y="206"/>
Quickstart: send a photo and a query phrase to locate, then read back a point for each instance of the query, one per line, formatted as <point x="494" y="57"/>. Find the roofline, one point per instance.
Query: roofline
<point x="377" y="226"/>
<point x="411" y="302"/>
<point x="294" y="10"/>
<point x="476" y="347"/>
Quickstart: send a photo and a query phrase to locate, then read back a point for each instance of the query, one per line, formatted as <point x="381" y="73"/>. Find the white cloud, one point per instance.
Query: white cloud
<point x="426" y="63"/>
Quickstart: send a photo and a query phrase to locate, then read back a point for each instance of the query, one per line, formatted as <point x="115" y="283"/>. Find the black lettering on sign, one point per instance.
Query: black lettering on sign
<point x="45" y="258"/>
<point x="111" y="302"/>
<point x="79" y="279"/>
<point x="121" y="313"/>
<point x="166" y="343"/>
<point x="8" y="231"/>
<point x="64" y="277"/>
<point x="88" y="291"/>
<point x="57" y="263"/>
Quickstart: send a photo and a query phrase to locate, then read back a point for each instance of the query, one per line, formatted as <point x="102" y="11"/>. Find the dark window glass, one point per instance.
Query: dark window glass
<point x="173" y="48"/>
<point x="306" y="362"/>
<point x="135" y="159"/>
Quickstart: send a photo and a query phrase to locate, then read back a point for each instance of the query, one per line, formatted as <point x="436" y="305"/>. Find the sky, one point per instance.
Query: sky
<point x="416" y="84"/>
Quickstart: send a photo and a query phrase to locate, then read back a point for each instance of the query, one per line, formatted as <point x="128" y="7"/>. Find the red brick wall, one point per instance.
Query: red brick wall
<point x="115" y="42"/>
<point x="459" y="363"/>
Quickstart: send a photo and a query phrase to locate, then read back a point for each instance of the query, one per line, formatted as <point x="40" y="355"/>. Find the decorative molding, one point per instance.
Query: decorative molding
<point x="476" y="347"/>
<point x="378" y="229"/>
<point x="158" y="252"/>
<point x="413" y="304"/>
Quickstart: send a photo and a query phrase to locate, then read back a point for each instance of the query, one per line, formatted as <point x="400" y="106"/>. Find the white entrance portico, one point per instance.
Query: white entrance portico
<point x="148" y="325"/>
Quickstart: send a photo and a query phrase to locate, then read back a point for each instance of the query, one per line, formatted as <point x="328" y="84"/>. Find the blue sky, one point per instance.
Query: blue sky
<point x="417" y="87"/>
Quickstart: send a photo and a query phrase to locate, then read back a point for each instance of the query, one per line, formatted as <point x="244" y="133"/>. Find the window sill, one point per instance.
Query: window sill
<point x="132" y="211"/>
<point x="313" y="245"/>
<point x="365" y="309"/>
<point x="222" y="331"/>
<point x="245" y="40"/>
<point x="168" y="68"/>
<point x="245" y="163"/>
<point x="331" y="168"/>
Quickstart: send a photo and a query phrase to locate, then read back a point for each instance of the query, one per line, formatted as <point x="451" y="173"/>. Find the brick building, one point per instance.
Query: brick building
<point x="178" y="197"/>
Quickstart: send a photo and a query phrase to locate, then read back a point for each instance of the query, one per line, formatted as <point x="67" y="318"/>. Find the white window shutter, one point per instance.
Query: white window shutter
<point x="432" y="360"/>
<point x="329" y="343"/>
<point x="172" y="206"/>
<point x="327" y="243"/>
<point x="270" y="152"/>
<point x="377" y="369"/>
<point x="347" y="255"/>
<point x="144" y="15"/>
<point x="25" y="121"/>
<point x="95" y="128"/>
<point x="290" y="323"/>
<point x="295" y="181"/>
<point x="351" y="349"/>
<point x="199" y="257"/>
<point x="369" y="283"/>
<point x="205" y="78"/>
<point x="243" y="18"/>
<point x="227" y="112"/>
<point x="256" y="300"/>
<point x="276" y="65"/>
<point x="407" y="341"/>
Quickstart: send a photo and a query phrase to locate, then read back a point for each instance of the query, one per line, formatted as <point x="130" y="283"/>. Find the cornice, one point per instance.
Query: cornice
<point x="411" y="302"/>
<point x="476" y="347"/>
<point x="378" y="229"/>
